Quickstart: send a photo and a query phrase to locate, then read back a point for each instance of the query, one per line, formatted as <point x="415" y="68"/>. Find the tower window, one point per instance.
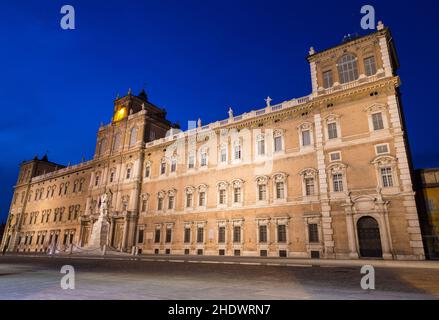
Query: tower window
<point x="386" y="175"/>
<point x="332" y="130"/>
<point x="327" y="79"/>
<point x="337" y="181"/>
<point x="347" y="68"/>
<point x="370" y="66"/>
<point x="377" y="121"/>
<point x="306" y="138"/>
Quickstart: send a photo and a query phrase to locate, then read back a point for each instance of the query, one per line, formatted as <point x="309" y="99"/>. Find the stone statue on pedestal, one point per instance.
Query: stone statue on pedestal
<point x="99" y="233"/>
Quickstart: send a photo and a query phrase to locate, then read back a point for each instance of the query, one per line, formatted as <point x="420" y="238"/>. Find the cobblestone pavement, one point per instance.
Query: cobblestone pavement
<point x="39" y="278"/>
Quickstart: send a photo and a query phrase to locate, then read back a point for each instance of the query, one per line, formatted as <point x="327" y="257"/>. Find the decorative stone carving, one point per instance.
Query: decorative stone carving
<point x="261" y="180"/>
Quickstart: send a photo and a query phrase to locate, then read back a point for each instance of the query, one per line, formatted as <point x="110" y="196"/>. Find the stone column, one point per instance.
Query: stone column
<point x="385" y="239"/>
<point x="411" y="213"/>
<point x="323" y="186"/>
<point x="125" y="233"/>
<point x="352" y="239"/>
<point x="385" y="56"/>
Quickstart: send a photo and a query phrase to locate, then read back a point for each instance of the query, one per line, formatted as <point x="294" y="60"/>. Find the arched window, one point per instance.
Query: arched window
<point x="133" y="136"/>
<point x="347" y="68"/>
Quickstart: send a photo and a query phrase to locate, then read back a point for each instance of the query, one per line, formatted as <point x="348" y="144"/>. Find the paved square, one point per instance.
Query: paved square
<point x="39" y="278"/>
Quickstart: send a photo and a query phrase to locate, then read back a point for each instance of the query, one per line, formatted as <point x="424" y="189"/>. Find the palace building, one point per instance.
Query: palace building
<point x="327" y="175"/>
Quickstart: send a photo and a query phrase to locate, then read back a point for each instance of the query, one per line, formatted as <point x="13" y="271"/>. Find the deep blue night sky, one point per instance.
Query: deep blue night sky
<point x="197" y="58"/>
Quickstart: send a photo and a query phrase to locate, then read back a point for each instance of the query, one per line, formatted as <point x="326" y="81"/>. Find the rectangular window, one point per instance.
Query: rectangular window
<point x="163" y="168"/>
<point x="188" y="200"/>
<point x="261" y="147"/>
<point x="191" y="162"/>
<point x="309" y="186"/>
<point x="382" y="149"/>
<point x="386" y="174"/>
<point x="263" y="234"/>
<point x="222" y="197"/>
<point x="144" y="203"/>
<point x="128" y="173"/>
<point x="147" y="171"/>
<point x="157" y="236"/>
<point x="332" y="130"/>
<point x="173" y="165"/>
<point x="306" y="138"/>
<point x="236" y="234"/>
<point x="200" y="234"/>
<point x="160" y="204"/>
<point x="280" y="192"/>
<point x="370" y="66"/>
<point x="313" y="232"/>
<point x="377" y="120"/>
<point x="171" y="202"/>
<point x="203" y="159"/>
<point x="168" y="235"/>
<point x="223" y="155"/>
<point x="237" y="152"/>
<point x="221" y="234"/>
<point x="237" y="195"/>
<point x="202" y="199"/>
<point x="335" y="156"/>
<point x="111" y="176"/>
<point x="187" y="235"/>
<point x="277" y="144"/>
<point x="337" y="180"/>
<point x="281" y="233"/>
<point x="327" y="79"/>
<point x="262" y="192"/>
<point x="140" y="236"/>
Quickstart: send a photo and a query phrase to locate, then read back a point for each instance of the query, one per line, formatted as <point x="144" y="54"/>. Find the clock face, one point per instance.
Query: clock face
<point x="120" y="113"/>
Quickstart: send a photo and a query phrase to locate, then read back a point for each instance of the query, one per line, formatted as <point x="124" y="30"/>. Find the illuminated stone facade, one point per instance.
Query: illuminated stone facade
<point x="326" y="175"/>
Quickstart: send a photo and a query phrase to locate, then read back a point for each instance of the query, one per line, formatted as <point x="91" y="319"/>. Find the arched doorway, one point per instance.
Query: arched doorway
<point x="369" y="238"/>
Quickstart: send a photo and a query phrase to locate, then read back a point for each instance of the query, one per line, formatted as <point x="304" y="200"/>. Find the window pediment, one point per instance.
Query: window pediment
<point x="280" y="177"/>
<point x="237" y="183"/>
<point x="384" y="160"/>
<point x="308" y="172"/>
<point x="261" y="180"/>
<point x="222" y="185"/>
<point x="376" y="107"/>
<point x="337" y="167"/>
